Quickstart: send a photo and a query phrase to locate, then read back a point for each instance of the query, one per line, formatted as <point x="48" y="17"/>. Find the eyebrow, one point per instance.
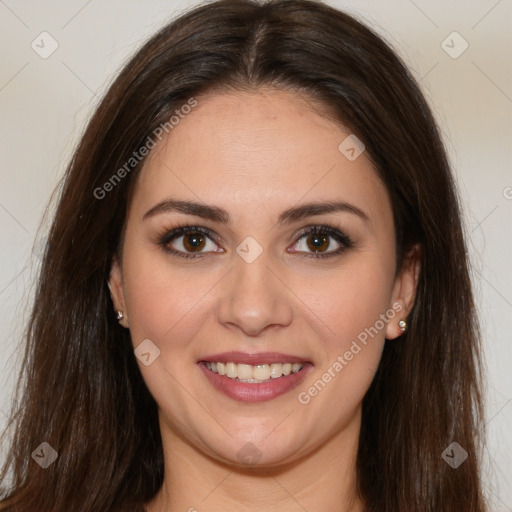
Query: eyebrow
<point x="216" y="214"/>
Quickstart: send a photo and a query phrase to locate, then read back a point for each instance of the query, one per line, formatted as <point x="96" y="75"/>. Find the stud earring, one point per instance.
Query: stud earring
<point x="119" y="315"/>
<point x="403" y="325"/>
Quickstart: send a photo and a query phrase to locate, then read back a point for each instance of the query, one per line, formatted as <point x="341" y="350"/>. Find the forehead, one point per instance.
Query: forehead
<point x="262" y="149"/>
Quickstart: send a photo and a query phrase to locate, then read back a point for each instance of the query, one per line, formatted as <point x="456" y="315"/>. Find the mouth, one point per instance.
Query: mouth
<point x="254" y="374"/>
<point x="254" y="377"/>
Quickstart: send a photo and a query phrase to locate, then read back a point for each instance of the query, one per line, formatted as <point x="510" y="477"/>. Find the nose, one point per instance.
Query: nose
<point x="254" y="297"/>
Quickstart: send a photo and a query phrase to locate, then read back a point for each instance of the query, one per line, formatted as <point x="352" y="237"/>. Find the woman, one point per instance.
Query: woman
<point x="255" y="292"/>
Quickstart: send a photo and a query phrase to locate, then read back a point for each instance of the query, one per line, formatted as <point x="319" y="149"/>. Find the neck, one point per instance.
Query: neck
<point x="325" y="479"/>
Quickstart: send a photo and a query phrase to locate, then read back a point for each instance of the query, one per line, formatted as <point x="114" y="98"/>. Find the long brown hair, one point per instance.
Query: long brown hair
<point x="81" y="390"/>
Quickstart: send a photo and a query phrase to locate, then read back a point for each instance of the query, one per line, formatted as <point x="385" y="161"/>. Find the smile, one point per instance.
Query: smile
<point x="254" y="383"/>
<point x="253" y="373"/>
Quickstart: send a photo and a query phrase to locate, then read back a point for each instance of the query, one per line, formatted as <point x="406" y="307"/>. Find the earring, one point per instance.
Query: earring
<point x="119" y="315"/>
<point x="403" y="325"/>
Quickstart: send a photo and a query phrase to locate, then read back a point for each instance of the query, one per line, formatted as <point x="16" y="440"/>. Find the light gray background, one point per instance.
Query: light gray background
<point x="45" y="103"/>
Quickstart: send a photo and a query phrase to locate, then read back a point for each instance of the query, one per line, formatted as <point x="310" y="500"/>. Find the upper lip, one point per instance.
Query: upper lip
<point x="255" y="358"/>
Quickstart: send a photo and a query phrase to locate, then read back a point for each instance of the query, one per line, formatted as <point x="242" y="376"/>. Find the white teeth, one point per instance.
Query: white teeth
<point x="244" y="371"/>
<point x="261" y="372"/>
<point x="276" y="370"/>
<point x="253" y="373"/>
<point x="296" y="367"/>
<point x="230" y="370"/>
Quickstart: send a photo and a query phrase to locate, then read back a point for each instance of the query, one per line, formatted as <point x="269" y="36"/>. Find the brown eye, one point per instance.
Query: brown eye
<point x="189" y="242"/>
<point x="318" y="243"/>
<point x="194" y="242"/>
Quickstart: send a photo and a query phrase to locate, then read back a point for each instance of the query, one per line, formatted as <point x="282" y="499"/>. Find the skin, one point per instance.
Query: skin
<point x="256" y="154"/>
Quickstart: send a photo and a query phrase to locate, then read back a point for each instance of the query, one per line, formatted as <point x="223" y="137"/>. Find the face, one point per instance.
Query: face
<point x="294" y="301"/>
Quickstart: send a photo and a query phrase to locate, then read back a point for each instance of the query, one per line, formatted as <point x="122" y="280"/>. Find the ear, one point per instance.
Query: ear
<point x="404" y="291"/>
<point x="115" y="284"/>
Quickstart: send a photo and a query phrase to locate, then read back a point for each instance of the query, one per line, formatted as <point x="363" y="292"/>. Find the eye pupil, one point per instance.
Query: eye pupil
<point x="317" y="241"/>
<point x="193" y="241"/>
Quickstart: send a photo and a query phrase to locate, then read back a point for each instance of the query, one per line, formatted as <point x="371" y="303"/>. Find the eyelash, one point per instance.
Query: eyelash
<point x="180" y="230"/>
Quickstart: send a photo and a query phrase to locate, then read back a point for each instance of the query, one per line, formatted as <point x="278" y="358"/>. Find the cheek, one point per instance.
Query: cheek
<point x="350" y="300"/>
<point x="167" y="305"/>
<point x="351" y="313"/>
<point x="162" y="300"/>
<point x="165" y="300"/>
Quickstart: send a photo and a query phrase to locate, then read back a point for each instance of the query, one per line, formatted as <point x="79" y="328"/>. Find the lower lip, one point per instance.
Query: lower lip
<point x="256" y="392"/>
